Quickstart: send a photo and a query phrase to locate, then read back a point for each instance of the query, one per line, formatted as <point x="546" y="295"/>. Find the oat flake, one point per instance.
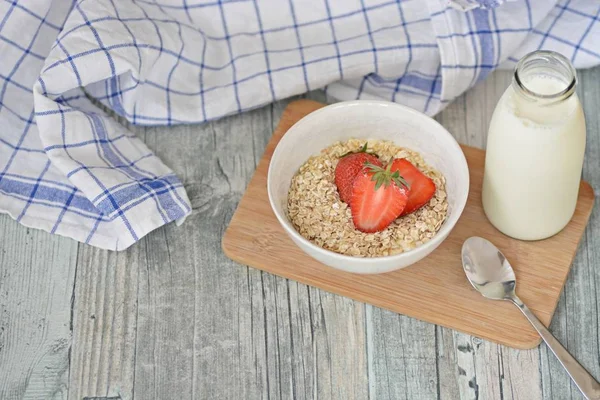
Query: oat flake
<point x="318" y="214"/>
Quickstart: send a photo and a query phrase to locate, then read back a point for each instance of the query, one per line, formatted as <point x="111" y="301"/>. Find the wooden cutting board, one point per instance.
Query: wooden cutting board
<point x="433" y="290"/>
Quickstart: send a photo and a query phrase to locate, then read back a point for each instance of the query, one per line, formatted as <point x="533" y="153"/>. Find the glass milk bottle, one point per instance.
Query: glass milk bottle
<point x="535" y="148"/>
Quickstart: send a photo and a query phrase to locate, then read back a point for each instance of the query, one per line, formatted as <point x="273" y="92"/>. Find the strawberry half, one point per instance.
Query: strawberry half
<point x="348" y="168"/>
<point x="422" y="188"/>
<point x="378" y="198"/>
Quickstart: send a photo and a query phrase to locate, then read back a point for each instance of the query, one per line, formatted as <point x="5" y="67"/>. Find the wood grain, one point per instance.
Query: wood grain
<point x="104" y="323"/>
<point x="424" y="290"/>
<point x="37" y="271"/>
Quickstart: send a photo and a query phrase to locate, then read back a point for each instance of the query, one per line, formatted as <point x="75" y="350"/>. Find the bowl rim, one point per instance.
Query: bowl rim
<point x="435" y="241"/>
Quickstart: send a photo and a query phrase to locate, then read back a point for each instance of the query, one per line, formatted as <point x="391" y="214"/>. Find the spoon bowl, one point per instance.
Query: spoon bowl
<point x="488" y="270"/>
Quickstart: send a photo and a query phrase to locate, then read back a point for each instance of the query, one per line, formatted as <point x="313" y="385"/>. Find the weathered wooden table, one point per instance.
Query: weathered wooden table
<point x="173" y="318"/>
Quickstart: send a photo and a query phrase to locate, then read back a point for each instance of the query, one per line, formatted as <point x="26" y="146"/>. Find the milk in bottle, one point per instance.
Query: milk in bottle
<point x="535" y="148"/>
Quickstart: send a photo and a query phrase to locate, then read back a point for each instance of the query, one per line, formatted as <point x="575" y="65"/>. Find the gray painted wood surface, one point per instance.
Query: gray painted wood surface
<point x="173" y="318"/>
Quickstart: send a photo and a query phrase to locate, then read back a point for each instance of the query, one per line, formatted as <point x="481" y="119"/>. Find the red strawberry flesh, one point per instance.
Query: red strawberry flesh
<point x="422" y="188"/>
<point x="375" y="208"/>
<point x="348" y="168"/>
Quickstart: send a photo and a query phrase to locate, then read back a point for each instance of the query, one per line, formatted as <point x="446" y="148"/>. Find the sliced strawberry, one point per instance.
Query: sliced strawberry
<point x="422" y="188"/>
<point x="348" y="168"/>
<point x="378" y="198"/>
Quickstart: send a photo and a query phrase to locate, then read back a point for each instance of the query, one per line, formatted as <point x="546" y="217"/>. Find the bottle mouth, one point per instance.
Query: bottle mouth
<point x="549" y="63"/>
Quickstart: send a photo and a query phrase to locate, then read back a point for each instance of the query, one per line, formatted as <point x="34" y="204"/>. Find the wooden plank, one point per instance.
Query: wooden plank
<point x="449" y="375"/>
<point x="403" y="353"/>
<point x="37" y="271"/>
<point x="104" y="322"/>
<point x="576" y="321"/>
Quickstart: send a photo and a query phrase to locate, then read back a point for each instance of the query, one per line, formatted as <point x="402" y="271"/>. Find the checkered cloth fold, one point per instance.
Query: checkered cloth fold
<point x="69" y="169"/>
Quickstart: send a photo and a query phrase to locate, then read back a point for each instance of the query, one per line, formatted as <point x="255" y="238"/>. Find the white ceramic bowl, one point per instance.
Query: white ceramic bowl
<point x="369" y="120"/>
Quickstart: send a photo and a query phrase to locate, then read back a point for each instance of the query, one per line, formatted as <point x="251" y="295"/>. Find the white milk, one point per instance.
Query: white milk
<point x="534" y="158"/>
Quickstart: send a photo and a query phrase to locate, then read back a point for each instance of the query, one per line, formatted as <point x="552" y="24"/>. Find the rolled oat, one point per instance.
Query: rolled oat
<point x="318" y="214"/>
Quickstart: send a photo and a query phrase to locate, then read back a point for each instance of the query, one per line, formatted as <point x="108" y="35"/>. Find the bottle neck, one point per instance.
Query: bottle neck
<point x="545" y="77"/>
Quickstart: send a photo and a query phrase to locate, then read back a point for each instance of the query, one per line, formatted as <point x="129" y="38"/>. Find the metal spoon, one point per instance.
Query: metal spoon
<point x="491" y="274"/>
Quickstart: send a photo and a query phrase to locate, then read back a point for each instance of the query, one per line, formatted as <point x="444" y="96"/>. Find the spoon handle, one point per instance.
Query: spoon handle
<point x="584" y="381"/>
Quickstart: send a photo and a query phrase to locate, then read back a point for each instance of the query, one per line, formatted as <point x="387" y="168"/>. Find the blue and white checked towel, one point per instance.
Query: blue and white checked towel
<point x="67" y="168"/>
